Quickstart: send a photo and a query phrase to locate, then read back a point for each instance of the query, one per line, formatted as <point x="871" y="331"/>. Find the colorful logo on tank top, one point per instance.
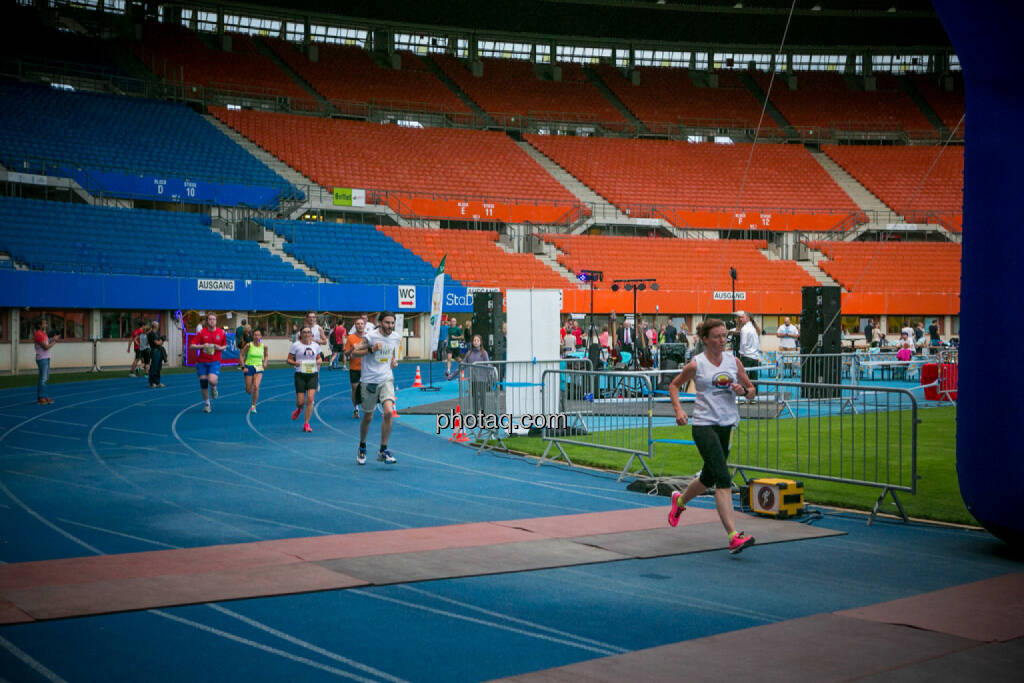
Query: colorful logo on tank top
<point x="721" y="381"/>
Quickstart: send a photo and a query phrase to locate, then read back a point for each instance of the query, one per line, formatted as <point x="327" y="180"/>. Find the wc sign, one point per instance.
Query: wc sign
<point x="407" y="296"/>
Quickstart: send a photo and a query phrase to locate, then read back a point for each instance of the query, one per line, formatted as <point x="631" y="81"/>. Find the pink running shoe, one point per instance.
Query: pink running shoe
<point x="295" y="413"/>
<point x="307" y="428"/>
<point x="739" y="542"/>
<point x="676" y="510"/>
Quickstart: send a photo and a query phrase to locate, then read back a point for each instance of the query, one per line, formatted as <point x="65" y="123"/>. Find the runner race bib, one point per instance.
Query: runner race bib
<point x="208" y="349"/>
<point x="308" y="367"/>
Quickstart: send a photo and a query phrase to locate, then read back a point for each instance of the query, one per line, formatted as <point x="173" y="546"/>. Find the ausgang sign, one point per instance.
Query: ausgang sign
<point x="726" y="296"/>
<point x="215" y="285"/>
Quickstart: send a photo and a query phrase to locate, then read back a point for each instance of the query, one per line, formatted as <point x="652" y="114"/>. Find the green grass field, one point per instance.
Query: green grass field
<point x="938" y="491"/>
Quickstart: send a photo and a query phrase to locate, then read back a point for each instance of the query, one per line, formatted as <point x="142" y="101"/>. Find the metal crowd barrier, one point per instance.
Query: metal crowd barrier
<point x="841" y="433"/>
<point x="507" y="389"/>
<point x="607" y="410"/>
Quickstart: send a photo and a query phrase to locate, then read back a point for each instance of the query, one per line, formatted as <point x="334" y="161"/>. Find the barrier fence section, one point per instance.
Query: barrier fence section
<point x="611" y="411"/>
<point x="511" y="392"/>
<point x="832" y="432"/>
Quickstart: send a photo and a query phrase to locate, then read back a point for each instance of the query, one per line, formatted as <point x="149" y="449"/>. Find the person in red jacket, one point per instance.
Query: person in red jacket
<point x="210" y="341"/>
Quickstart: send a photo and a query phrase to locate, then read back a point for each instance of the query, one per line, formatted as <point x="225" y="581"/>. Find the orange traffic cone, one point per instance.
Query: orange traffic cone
<point x="458" y="433"/>
<point x="462" y="374"/>
<point x="418" y="382"/>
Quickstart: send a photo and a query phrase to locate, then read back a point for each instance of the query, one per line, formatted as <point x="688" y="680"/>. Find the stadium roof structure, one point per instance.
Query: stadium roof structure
<point x="830" y="25"/>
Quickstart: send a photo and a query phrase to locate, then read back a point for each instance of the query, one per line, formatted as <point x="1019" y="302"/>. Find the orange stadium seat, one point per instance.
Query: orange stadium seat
<point x="511" y="89"/>
<point x="668" y="96"/>
<point x="826" y="101"/>
<point x="346" y="74"/>
<point x="432" y="172"/>
<point x="888" y="267"/>
<point x="698" y="185"/>
<point x="922" y="183"/>
<point x="948" y="105"/>
<point x="181" y="56"/>
<point x="475" y="259"/>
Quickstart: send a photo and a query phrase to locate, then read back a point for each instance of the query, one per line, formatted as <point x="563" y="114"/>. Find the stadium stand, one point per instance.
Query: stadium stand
<point x="683" y="265"/>
<point x="669" y="96"/>
<point x="180" y="56"/>
<point x="348" y="77"/>
<point x="26" y="37"/>
<point x="353" y="253"/>
<point x="47" y="130"/>
<point x="932" y="267"/>
<point x="922" y="183"/>
<point x="429" y="172"/>
<point x="825" y="101"/>
<point x="511" y="89"/>
<point x="57" y="236"/>
<point x="698" y="185"/>
<point x="475" y="259"/>
<point x="948" y="105"/>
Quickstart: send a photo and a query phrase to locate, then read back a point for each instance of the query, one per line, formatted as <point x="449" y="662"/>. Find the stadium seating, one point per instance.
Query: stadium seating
<point x="430" y="172"/>
<point x="684" y="265"/>
<point x="825" y="101"/>
<point x="922" y="183"/>
<point x="351" y="253"/>
<point x="80" y="238"/>
<point x="180" y="56"/>
<point x="347" y="74"/>
<point x="44" y="128"/>
<point x="475" y="259"/>
<point x="929" y="267"/>
<point x="668" y="96"/>
<point x="510" y="89"/>
<point x="948" y="105"/>
<point x="699" y="185"/>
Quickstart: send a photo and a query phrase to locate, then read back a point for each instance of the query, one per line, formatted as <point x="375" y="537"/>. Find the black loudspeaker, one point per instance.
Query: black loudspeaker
<point x="487" y="322"/>
<point x="820" y="341"/>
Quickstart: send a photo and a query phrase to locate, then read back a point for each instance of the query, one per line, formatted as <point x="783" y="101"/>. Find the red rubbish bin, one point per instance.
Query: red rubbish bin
<point x="930" y="373"/>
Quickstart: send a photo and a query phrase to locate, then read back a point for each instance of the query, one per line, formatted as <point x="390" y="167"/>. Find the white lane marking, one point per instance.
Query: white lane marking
<point x="524" y="622"/>
<point x="304" y="644"/>
<point x="259" y="646"/>
<point x="29" y="661"/>
<point x="484" y="622"/>
<point x="118" y="533"/>
<point x="39" y="451"/>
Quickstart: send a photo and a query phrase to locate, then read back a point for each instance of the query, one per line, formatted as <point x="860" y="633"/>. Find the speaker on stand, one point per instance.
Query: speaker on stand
<point x="488" y="320"/>
<point x="821" y="341"/>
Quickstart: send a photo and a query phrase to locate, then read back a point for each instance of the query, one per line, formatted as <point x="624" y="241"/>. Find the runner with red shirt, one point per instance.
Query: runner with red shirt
<point x="210" y="341"/>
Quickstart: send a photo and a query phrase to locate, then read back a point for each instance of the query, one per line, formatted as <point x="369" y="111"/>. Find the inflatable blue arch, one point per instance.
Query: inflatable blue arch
<point x="990" y="449"/>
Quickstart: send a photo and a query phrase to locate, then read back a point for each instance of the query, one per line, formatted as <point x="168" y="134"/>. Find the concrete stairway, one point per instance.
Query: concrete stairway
<point x="817" y="273"/>
<point x="596" y="80"/>
<point x="926" y="109"/>
<point x="879" y="213"/>
<point x="603" y="210"/>
<point x="274" y="243"/>
<point x="770" y="110"/>
<point x="454" y="87"/>
<point x="292" y="74"/>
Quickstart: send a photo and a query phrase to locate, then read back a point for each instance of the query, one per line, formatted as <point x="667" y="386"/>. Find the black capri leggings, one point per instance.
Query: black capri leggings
<point x="713" y="445"/>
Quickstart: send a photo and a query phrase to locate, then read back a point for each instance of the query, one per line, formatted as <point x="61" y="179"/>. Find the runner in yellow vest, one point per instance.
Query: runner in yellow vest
<point x="254" y="359"/>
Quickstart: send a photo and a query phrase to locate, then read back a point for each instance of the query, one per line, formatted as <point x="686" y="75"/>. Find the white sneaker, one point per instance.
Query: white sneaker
<point x="252" y="409"/>
<point x="207" y="409"/>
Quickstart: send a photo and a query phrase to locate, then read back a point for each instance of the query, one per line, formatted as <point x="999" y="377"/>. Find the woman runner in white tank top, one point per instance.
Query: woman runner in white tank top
<point x="719" y="378"/>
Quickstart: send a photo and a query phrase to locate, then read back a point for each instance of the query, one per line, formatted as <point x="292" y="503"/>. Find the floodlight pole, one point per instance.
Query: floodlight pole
<point x="732" y="274"/>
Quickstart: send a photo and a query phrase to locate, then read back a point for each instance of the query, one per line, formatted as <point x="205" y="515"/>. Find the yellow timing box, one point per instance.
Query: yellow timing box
<point x="779" y="498"/>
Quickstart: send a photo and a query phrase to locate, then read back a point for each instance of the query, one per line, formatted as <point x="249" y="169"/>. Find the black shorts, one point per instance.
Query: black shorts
<point x="354" y="375"/>
<point x="306" y="381"/>
<point x="139" y="354"/>
<point x="713" y="445"/>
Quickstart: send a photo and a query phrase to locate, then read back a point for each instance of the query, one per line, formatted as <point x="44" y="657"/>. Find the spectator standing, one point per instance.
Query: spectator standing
<point x="43" y="343"/>
<point x="750" y="343"/>
<point x="869" y="332"/>
<point x="933" y="335"/>
<point x="788" y="335"/>
<point x="157" y="354"/>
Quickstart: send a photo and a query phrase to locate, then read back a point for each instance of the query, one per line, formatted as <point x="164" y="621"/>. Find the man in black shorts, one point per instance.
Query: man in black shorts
<point x="355" y="363"/>
<point x="304" y="355"/>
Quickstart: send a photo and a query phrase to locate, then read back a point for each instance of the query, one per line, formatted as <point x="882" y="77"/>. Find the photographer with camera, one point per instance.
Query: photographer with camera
<point x="43" y="342"/>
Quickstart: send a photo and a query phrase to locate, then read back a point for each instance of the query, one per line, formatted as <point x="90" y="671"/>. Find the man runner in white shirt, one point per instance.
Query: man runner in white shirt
<point x="376" y="383"/>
